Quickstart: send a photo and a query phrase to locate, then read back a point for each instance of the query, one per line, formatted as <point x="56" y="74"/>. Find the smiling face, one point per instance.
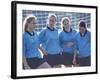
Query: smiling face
<point x="66" y="24"/>
<point x="82" y="27"/>
<point x="52" y="21"/>
<point x="82" y="30"/>
<point x="32" y="24"/>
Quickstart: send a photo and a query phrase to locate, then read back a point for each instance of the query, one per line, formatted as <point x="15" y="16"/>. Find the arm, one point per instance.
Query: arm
<point x="70" y="44"/>
<point x="74" y="57"/>
<point x="43" y="51"/>
<point x="25" y="64"/>
<point x="41" y="41"/>
<point x="60" y="41"/>
<point x="75" y="51"/>
<point x="41" y="36"/>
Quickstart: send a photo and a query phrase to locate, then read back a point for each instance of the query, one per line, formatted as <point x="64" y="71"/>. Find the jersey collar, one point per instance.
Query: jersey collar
<point x="84" y="34"/>
<point x="69" y="31"/>
<point x="30" y="33"/>
<point x="51" y="29"/>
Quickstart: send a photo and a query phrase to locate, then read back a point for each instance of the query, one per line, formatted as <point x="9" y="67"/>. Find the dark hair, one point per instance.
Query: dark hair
<point x="28" y="20"/>
<point x="62" y="22"/>
<point x="82" y="24"/>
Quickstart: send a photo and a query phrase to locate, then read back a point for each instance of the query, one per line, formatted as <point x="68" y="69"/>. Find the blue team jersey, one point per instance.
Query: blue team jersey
<point x="50" y="40"/>
<point x="31" y="45"/>
<point x="84" y="44"/>
<point x="66" y="37"/>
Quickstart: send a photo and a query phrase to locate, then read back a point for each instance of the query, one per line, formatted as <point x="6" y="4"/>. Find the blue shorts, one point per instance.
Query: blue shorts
<point x="34" y="62"/>
<point x="84" y="61"/>
<point x="67" y="58"/>
<point x="53" y="59"/>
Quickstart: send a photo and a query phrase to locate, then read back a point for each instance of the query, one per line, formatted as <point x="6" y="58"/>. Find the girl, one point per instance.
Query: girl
<point x="50" y="42"/>
<point x="67" y="42"/>
<point x="31" y="55"/>
<point x="83" y="45"/>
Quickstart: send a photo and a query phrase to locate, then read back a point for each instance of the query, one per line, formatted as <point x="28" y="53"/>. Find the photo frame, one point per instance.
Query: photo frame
<point x="20" y="10"/>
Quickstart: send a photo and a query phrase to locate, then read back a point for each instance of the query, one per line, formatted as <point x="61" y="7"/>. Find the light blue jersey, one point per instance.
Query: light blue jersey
<point x="50" y="40"/>
<point x="83" y="44"/>
<point x="30" y="45"/>
<point x="65" y="38"/>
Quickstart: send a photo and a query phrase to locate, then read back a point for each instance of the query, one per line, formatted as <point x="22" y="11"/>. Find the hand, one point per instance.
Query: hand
<point x="74" y="61"/>
<point x="45" y="53"/>
<point x="69" y="44"/>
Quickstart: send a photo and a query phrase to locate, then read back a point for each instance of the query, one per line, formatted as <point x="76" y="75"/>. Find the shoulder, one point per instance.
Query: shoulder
<point x="88" y="32"/>
<point x="77" y="34"/>
<point x="42" y="32"/>
<point x="25" y="34"/>
<point x="43" y="29"/>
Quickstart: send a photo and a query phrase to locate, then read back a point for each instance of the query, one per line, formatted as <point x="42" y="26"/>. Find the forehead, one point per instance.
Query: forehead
<point x="33" y="21"/>
<point x="66" y="21"/>
<point x="52" y="17"/>
<point x="81" y="28"/>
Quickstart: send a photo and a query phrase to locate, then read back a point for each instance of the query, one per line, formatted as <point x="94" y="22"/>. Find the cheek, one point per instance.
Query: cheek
<point x="80" y="30"/>
<point x="66" y="26"/>
<point x="51" y="22"/>
<point x="32" y="26"/>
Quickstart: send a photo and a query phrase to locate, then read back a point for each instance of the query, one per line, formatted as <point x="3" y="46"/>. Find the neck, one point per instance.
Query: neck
<point x="29" y="30"/>
<point x="83" y="34"/>
<point x="51" y="27"/>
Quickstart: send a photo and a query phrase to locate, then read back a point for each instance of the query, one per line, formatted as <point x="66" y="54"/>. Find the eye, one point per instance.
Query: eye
<point x="52" y="20"/>
<point x="65" y="24"/>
